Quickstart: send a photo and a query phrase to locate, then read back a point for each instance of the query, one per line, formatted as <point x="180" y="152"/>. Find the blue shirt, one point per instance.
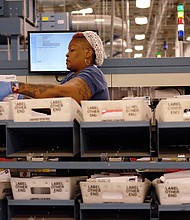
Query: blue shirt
<point x="95" y="79"/>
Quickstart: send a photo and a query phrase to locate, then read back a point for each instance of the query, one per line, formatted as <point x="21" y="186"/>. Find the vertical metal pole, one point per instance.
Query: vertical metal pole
<point x="24" y="23"/>
<point x="165" y="53"/>
<point x="8" y="48"/>
<point x="181" y="48"/>
<point x="128" y="27"/>
<point x="15" y="50"/>
<point x="103" y="26"/>
<point x="112" y="27"/>
<point x="123" y="36"/>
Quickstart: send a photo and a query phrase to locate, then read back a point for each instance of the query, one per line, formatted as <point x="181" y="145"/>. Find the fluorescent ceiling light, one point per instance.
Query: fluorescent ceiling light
<point x="137" y="55"/>
<point x="99" y="20"/>
<point x="142" y="3"/>
<point x="141" y="20"/>
<point x="83" y="11"/>
<point x="188" y="38"/>
<point x="129" y="50"/>
<point x="139" y="36"/>
<point x="139" y="47"/>
<point x="118" y="42"/>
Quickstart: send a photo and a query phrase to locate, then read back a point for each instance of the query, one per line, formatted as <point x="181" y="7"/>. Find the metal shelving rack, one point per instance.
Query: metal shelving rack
<point x="88" y="209"/>
<point x="175" y="70"/>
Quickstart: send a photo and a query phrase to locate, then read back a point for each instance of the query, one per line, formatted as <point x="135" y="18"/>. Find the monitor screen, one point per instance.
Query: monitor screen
<point x="47" y="51"/>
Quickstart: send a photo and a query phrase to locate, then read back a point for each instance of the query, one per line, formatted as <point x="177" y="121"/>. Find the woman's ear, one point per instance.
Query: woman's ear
<point x="89" y="53"/>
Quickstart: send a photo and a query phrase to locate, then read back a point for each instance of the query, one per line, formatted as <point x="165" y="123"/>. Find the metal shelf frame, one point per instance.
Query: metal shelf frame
<point x="62" y="205"/>
<point x="173" y="139"/>
<point x="95" y="165"/>
<point x="114" y="66"/>
<point x="115" y="139"/>
<point x="38" y="139"/>
<point x="126" y="209"/>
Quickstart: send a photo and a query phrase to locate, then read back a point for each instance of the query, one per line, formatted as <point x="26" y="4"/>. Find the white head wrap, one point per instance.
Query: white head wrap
<point x="96" y="43"/>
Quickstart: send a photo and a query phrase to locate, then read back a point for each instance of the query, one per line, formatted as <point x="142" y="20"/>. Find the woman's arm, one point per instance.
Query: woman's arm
<point x="76" y="88"/>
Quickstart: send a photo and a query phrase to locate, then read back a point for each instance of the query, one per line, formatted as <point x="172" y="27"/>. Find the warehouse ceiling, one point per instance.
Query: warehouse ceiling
<point x="115" y="22"/>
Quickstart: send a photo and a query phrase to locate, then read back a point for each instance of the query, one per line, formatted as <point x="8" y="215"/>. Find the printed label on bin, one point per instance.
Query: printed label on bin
<point x="56" y="105"/>
<point x="20" y="107"/>
<point x="174" y="108"/>
<point x="132" y="191"/>
<point x="132" y="110"/>
<point x="94" y="190"/>
<point x="93" y="111"/>
<point x="2" y="111"/>
<point x="21" y="186"/>
<point x="172" y="191"/>
<point x="57" y="187"/>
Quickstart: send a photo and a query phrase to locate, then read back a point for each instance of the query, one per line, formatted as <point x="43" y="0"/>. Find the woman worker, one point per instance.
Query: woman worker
<point x="85" y="81"/>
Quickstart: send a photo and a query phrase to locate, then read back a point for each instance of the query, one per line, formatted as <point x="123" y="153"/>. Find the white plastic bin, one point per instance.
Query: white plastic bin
<point x="5" y="111"/>
<point x="116" y="110"/>
<point x="45" y="188"/>
<point x="173" y="110"/>
<point x="49" y="109"/>
<point x="124" y="192"/>
<point x="175" y="193"/>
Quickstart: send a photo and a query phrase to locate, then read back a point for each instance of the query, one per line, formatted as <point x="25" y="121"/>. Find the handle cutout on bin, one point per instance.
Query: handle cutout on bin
<point x="112" y="195"/>
<point x="186" y="114"/>
<point x="40" y="190"/>
<point x="46" y="111"/>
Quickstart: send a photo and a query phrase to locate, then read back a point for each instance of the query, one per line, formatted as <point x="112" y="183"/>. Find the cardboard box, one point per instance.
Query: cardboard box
<point x="116" y="110"/>
<point x="50" y="109"/>
<point x="175" y="193"/>
<point x="101" y="192"/>
<point x="45" y="188"/>
<point x="173" y="110"/>
<point x="5" y="111"/>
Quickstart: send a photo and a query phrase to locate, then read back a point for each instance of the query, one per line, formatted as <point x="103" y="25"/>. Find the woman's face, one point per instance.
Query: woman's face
<point x="76" y="56"/>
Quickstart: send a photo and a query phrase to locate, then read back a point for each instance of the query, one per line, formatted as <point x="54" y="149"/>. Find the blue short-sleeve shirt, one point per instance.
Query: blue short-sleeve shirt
<point x="95" y="79"/>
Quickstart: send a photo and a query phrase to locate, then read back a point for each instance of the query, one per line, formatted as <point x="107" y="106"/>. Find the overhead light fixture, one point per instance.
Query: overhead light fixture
<point x="83" y="11"/>
<point x="139" y="36"/>
<point x="128" y="50"/>
<point x="137" y="55"/>
<point x="99" y="20"/>
<point x="188" y="38"/>
<point x="142" y="3"/>
<point x="139" y="47"/>
<point x="141" y="20"/>
<point x="118" y="42"/>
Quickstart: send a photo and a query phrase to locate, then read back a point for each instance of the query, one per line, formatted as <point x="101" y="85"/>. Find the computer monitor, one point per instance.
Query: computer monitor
<point x="47" y="51"/>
